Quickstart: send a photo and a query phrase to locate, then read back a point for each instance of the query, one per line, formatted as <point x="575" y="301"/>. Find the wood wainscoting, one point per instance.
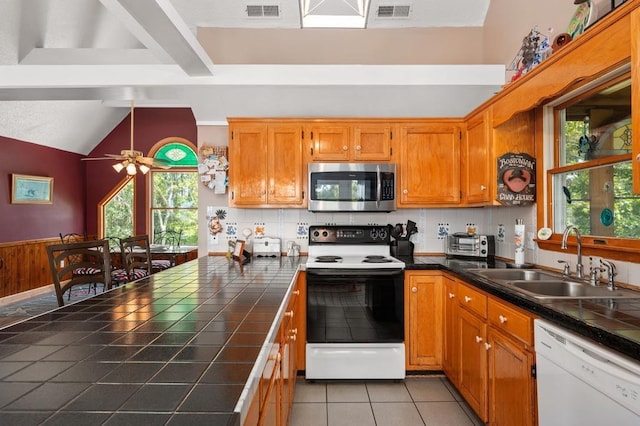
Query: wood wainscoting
<point x="24" y="265"/>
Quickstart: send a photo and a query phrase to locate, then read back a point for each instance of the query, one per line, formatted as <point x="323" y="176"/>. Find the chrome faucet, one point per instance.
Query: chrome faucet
<point x="563" y="246"/>
<point x="611" y="272"/>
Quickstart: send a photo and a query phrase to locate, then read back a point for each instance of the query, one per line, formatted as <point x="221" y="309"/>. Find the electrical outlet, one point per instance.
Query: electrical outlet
<point x="530" y="243"/>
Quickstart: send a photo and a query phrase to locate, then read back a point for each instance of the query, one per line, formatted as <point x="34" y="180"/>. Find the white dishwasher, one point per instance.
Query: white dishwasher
<point x="583" y="383"/>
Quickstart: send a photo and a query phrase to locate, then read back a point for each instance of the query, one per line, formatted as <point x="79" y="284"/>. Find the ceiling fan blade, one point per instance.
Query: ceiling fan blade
<point x="155" y="162"/>
<point x="99" y="158"/>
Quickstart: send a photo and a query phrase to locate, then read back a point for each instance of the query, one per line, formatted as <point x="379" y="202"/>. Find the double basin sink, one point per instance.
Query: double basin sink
<point x="547" y="285"/>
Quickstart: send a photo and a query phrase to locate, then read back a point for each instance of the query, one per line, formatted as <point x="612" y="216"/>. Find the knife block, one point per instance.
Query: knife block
<point x="402" y="248"/>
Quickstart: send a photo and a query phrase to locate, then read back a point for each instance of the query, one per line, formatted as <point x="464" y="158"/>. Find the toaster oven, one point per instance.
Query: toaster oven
<point x="462" y="244"/>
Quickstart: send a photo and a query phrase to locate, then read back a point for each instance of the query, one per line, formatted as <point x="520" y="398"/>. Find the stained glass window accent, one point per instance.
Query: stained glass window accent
<point x="177" y="155"/>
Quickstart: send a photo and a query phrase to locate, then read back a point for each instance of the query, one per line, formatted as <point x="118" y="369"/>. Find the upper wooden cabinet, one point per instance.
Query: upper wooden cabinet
<point x="476" y="150"/>
<point x="429" y="163"/>
<point x="343" y="141"/>
<point x="266" y="165"/>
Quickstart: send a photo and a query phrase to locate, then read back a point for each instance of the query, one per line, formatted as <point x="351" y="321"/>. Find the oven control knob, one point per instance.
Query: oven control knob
<point x="483" y="242"/>
<point x="483" y="251"/>
<point x="316" y="234"/>
<point x="325" y="234"/>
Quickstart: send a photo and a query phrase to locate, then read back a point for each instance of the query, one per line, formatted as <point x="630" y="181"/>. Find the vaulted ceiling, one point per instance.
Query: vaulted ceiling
<point x="68" y="68"/>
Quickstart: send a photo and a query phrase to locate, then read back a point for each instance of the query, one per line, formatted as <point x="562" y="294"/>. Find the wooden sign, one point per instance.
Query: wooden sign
<point x="516" y="179"/>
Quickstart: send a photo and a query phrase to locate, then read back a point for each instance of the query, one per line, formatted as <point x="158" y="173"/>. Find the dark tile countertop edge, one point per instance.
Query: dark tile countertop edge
<point x="557" y="311"/>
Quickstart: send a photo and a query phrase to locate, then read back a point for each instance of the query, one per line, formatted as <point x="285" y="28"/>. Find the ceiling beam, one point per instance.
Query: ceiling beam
<point x="158" y="26"/>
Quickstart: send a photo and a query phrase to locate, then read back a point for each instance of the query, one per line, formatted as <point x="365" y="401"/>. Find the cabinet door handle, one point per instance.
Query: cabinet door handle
<point x="467" y="299"/>
<point x="451" y="295"/>
<point x="487" y="346"/>
<point x="414" y="289"/>
<point x="358" y="148"/>
<point x="289" y="314"/>
<point x="294" y="331"/>
<point x="344" y="148"/>
<point x="478" y="339"/>
<point x="502" y="319"/>
<point x="483" y="188"/>
<point x="296" y="292"/>
<point x="405" y="191"/>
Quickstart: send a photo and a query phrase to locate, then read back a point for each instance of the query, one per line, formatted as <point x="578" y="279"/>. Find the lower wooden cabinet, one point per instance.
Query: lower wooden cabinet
<point x="271" y="405"/>
<point x="450" y="334"/>
<point x="423" y="320"/>
<point x="489" y="355"/>
<point x="511" y="387"/>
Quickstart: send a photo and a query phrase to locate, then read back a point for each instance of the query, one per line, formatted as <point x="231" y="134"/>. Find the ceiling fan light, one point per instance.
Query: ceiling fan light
<point x="131" y="169"/>
<point x="118" y="167"/>
<point x="144" y="169"/>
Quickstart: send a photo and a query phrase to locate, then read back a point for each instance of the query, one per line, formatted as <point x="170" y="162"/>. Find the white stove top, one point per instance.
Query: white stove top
<point x="352" y="257"/>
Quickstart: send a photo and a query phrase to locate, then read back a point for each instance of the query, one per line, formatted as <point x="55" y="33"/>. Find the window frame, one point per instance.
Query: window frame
<point x="148" y="184"/>
<point x="102" y="204"/>
<point x="548" y="148"/>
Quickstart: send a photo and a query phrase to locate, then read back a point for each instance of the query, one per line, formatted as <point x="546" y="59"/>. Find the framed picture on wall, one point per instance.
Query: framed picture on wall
<point x="27" y="189"/>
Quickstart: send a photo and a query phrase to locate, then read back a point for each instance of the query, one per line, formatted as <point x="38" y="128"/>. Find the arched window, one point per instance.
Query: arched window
<point x="173" y="200"/>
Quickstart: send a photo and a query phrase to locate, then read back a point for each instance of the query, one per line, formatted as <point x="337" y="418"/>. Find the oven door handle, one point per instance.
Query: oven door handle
<point x="354" y="272"/>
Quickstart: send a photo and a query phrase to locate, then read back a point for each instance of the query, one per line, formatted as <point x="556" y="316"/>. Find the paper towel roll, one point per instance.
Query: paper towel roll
<point x="518" y="240"/>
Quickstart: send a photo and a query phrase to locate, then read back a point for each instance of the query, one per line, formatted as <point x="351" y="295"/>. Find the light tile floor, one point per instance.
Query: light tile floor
<point x="417" y="400"/>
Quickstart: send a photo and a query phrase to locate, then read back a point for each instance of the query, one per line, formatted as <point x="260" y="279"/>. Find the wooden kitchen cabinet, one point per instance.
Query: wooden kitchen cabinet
<point x="491" y="359"/>
<point x="450" y="336"/>
<point x="429" y="165"/>
<point x="423" y="320"/>
<point x="511" y="387"/>
<point x="330" y="142"/>
<point x="512" y="390"/>
<point x="351" y="141"/>
<point x="472" y="373"/>
<point x="266" y="165"/>
<point x="273" y="402"/>
<point x="476" y="152"/>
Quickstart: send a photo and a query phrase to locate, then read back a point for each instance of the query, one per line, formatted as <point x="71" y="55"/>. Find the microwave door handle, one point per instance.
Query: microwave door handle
<point x="378" y="186"/>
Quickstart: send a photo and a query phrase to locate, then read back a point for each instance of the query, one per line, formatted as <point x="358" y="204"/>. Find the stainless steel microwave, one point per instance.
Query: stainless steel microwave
<point x="352" y="187"/>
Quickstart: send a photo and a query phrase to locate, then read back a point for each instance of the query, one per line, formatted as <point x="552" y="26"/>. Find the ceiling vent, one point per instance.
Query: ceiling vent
<point x="393" y="11"/>
<point x="262" y="11"/>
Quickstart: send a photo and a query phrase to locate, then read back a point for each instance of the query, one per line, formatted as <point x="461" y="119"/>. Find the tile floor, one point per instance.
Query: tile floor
<point x="418" y="400"/>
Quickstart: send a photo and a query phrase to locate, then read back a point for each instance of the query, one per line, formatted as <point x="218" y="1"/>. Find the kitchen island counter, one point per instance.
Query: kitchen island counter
<point x="183" y="346"/>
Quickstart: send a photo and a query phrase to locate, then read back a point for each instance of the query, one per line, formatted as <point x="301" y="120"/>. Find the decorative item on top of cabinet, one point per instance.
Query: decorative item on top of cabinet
<point x="213" y="167"/>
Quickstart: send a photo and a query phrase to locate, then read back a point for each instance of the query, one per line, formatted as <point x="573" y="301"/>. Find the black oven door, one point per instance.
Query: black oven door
<point x="355" y="306"/>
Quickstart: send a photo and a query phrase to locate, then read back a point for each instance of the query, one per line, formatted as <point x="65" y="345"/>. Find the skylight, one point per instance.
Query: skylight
<point x="334" y="13"/>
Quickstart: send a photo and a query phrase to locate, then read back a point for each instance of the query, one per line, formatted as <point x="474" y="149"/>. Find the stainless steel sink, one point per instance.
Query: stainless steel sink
<point x="516" y="274"/>
<point x="560" y="289"/>
<point x="542" y="284"/>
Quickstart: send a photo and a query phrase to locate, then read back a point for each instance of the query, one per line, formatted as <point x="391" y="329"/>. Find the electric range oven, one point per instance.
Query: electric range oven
<point x="355" y="304"/>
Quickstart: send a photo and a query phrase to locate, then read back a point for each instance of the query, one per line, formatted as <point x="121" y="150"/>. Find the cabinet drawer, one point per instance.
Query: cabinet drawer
<point x="473" y="300"/>
<point x="511" y="321"/>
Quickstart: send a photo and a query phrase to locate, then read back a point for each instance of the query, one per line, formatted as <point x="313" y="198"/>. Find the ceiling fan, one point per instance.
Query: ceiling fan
<point x="131" y="160"/>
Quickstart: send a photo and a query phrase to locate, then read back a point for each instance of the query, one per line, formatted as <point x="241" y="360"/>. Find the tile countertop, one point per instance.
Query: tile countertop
<point x="183" y="346"/>
<point x="186" y="345"/>
<point x="612" y="322"/>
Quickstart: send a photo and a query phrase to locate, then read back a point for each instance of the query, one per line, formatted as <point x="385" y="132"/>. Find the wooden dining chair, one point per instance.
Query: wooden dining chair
<point x="136" y="256"/>
<point x="65" y="258"/>
<point x="167" y="238"/>
<point x="119" y="273"/>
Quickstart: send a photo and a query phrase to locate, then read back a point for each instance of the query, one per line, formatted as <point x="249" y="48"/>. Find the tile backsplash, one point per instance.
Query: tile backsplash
<point x="433" y="226"/>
